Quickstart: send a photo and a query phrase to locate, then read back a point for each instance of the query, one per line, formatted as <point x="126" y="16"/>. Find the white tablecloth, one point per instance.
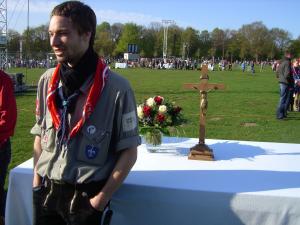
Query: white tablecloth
<point x="249" y="183"/>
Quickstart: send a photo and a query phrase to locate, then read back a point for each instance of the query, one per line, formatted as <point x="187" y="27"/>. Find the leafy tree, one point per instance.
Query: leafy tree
<point x="103" y="27"/>
<point x="250" y="41"/>
<point x="116" y="31"/>
<point x="13" y="42"/>
<point x="157" y="29"/>
<point x="205" y="43"/>
<point x="104" y="44"/>
<point x="37" y="42"/>
<point x="281" y="40"/>
<point x="147" y="43"/>
<point x="256" y="36"/>
<point x="295" y="48"/>
<point x="174" y="41"/>
<point x="218" y="42"/>
<point x="190" y="38"/>
<point x="232" y="47"/>
<point x="131" y="35"/>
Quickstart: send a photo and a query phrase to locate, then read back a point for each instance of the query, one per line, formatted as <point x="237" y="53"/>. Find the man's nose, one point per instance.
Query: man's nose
<point x="54" y="40"/>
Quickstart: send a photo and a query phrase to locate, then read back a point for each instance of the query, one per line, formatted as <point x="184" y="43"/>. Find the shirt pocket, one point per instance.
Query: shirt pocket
<point x="48" y="138"/>
<point x="93" y="148"/>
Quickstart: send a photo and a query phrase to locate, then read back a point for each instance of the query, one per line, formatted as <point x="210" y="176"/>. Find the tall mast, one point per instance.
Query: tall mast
<point x="3" y="34"/>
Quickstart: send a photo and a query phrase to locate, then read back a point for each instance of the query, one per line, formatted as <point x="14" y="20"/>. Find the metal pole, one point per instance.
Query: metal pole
<point x="27" y="43"/>
<point x="166" y="24"/>
<point x="6" y="51"/>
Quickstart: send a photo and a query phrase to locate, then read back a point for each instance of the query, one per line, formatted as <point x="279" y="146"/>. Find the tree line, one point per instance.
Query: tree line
<point x="252" y="41"/>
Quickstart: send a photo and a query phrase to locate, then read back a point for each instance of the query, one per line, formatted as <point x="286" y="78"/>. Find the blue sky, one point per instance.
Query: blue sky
<point x="201" y="15"/>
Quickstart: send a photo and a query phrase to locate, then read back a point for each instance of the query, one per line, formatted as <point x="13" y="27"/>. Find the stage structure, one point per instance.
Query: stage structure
<point x="166" y="24"/>
<point x="132" y="53"/>
<point x="3" y="34"/>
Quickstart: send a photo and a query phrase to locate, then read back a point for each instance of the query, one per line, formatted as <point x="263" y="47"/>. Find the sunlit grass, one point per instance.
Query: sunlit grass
<point x="244" y="111"/>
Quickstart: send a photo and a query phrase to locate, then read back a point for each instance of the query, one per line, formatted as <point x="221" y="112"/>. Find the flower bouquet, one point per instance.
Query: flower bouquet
<point x="156" y="115"/>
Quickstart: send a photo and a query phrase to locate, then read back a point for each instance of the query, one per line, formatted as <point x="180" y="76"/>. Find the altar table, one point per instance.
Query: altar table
<point x="252" y="183"/>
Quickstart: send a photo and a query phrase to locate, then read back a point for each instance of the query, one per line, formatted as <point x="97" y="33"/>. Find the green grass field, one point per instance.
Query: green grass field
<point x="244" y="111"/>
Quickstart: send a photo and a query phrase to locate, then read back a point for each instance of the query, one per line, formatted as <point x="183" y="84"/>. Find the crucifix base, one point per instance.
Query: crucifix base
<point x="201" y="152"/>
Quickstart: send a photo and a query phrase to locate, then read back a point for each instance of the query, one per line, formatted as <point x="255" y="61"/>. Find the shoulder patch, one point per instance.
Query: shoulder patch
<point x="129" y="121"/>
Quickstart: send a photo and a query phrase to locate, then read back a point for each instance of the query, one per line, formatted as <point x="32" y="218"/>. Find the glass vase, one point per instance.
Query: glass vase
<point x="153" y="140"/>
<point x="154" y="144"/>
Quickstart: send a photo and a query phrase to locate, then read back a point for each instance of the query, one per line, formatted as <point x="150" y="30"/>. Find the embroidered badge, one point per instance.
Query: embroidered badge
<point x="129" y="121"/>
<point x="91" y="151"/>
<point x="45" y="138"/>
<point x="91" y="129"/>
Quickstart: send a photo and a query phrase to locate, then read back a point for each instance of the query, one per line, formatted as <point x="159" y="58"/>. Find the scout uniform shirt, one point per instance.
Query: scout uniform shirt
<point x="92" y="153"/>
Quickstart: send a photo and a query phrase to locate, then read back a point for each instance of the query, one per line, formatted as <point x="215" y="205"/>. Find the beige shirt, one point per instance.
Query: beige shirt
<point x="92" y="153"/>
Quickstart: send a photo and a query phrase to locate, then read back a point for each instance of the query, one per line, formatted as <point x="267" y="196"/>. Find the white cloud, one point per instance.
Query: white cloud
<point x="113" y="16"/>
<point x="40" y="11"/>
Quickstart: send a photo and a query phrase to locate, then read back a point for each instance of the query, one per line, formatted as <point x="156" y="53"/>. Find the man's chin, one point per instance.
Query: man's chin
<point x="61" y="59"/>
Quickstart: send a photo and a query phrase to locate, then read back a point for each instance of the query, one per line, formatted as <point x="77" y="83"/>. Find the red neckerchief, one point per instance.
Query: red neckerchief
<point x="91" y="101"/>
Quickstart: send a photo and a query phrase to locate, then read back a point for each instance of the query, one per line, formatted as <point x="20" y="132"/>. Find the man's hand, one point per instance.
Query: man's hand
<point x="37" y="181"/>
<point x="116" y="178"/>
<point x="99" y="201"/>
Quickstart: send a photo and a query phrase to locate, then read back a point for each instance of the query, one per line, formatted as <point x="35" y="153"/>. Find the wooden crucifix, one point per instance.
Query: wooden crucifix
<point x="201" y="151"/>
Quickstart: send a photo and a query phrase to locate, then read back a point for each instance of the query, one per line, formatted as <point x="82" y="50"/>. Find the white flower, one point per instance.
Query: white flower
<point x="140" y="112"/>
<point x="162" y="109"/>
<point x="150" y="102"/>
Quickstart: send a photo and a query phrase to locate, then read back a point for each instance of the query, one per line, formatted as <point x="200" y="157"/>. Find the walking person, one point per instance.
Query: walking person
<point x="252" y="67"/>
<point x="285" y="79"/>
<point x="8" y="118"/>
<point x="243" y="66"/>
<point x="86" y="131"/>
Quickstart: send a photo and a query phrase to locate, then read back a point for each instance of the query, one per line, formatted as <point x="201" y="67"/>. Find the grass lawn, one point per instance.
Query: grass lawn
<point x="244" y="111"/>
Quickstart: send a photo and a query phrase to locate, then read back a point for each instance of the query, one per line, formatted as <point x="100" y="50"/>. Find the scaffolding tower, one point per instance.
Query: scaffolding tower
<point x="3" y="34"/>
<point x="166" y="24"/>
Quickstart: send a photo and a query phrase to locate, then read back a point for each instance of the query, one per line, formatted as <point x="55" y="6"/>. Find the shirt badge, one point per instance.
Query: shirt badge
<point x="91" y="129"/>
<point x="129" y="121"/>
<point x="45" y="138"/>
<point x="91" y="151"/>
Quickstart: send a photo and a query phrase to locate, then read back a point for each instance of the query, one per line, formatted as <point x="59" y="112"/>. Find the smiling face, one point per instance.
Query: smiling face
<point x="67" y="43"/>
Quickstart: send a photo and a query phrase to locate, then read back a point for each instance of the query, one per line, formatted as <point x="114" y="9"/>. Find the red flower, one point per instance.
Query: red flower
<point x="158" y="100"/>
<point x="160" y="118"/>
<point x="177" y="109"/>
<point x="146" y="110"/>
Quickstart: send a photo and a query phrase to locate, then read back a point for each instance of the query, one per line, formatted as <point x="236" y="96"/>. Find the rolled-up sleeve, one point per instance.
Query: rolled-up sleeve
<point x="127" y="122"/>
<point x="41" y="105"/>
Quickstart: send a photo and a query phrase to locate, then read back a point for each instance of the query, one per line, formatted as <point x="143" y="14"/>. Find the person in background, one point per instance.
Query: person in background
<point x="86" y="131"/>
<point x="8" y="118"/>
<point x="252" y="67"/>
<point x="296" y="75"/>
<point x="285" y="79"/>
<point x="243" y="66"/>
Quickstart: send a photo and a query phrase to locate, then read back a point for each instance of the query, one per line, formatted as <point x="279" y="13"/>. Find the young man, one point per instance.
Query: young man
<point x="285" y="79"/>
<point x="86" y="126"/>
<point x="8" y="117"/>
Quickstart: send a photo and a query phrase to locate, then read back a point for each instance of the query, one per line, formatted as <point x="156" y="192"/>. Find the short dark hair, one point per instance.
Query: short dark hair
<point x="287" y="53"/>
<point x="81" y="15"/>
